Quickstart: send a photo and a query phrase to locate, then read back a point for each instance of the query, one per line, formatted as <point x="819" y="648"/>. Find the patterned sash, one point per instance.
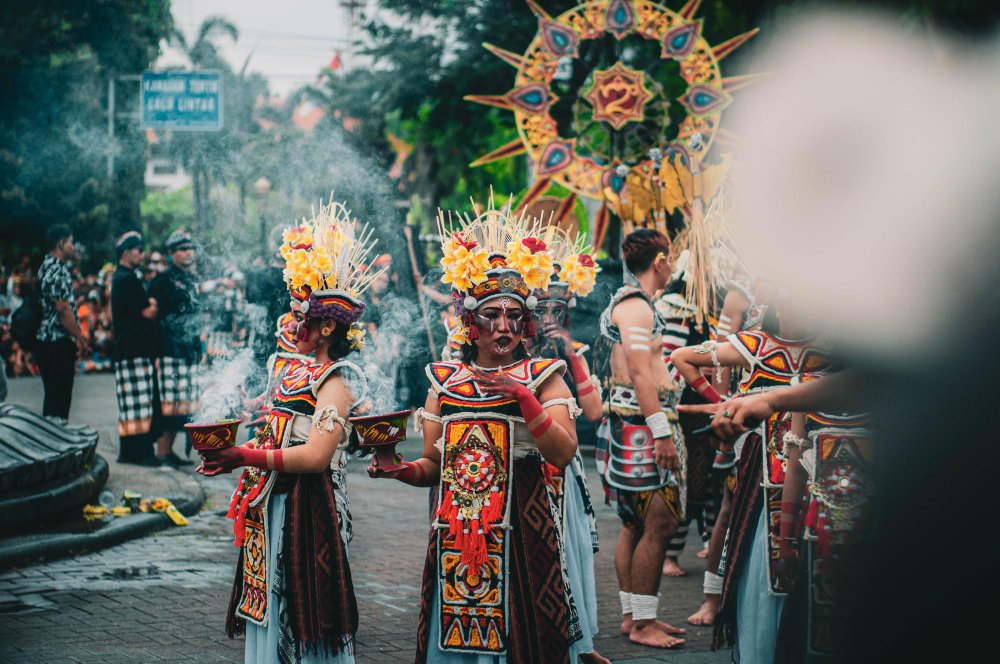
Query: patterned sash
<point x="477" y="473"/>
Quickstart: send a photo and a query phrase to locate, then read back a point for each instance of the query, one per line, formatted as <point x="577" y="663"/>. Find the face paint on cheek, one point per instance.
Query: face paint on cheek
<point x="302" y="332"/>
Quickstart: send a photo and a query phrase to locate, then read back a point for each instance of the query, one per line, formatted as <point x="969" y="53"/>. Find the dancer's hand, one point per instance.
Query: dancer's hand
<point x="378" y="473"/>
<point x="734" y="417"/>
<point x="559" y="337"/>
<point x="788" y="565"/>
<point x="500" y="384"/>
<point x="225" y="460"/>
<point x="665" y="454"/>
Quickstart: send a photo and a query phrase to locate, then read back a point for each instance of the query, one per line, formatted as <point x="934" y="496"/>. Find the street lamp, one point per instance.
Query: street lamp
<point x="262" y="187"/>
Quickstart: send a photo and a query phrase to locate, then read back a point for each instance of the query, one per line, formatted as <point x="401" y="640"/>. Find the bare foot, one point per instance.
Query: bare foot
<point x="706" y="614"/>
<point x="593" y="658"/>
<point x="649" y="634"/>
<point x="626" y="627"/>
<point x="703" y="553"/>
<point x="672" y="568"/>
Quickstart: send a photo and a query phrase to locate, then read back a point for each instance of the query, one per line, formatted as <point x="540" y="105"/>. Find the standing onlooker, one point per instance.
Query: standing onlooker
<point x="155" y="264"/>
<point x="56" y="350"/>
<point x="133" y="319"/>
<point x="176" y="294"/>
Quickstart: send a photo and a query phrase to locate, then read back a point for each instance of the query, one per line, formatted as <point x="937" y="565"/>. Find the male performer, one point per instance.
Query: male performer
<point x="641" y="459"/>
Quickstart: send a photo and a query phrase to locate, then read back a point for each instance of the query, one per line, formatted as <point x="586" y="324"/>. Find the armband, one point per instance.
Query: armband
<point x="659" y="426"/>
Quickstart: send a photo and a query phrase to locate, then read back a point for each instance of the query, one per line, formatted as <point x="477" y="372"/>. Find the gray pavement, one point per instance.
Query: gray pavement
<point x="162" y="598"/>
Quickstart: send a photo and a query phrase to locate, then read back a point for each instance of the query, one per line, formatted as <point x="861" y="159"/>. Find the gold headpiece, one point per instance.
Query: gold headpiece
<point x="494" y="255"/>
<point x="325" y="259"/>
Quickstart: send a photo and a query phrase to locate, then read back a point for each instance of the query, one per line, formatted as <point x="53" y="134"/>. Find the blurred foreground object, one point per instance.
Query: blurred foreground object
<point x="868" y="169"/>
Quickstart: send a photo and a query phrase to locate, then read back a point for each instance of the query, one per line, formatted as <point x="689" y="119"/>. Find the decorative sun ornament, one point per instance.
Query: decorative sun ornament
<point x="618" y="95"/>
<point x="627" y="100"/>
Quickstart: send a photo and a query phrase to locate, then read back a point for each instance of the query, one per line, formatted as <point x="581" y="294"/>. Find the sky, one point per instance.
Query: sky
<point x="289" y="42"/>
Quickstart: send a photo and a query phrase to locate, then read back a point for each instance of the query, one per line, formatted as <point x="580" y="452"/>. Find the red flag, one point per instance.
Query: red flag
<point x="335" y="62"/>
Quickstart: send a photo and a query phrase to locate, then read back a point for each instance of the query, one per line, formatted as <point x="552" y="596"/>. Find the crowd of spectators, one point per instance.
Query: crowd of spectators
<point x="92" y="299"/>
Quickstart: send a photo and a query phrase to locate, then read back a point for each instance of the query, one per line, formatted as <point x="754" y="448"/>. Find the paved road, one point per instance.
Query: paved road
<point x="163" y="598"/>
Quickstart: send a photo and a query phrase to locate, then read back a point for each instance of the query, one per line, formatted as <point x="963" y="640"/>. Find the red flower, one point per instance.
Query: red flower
<point x="468" y="244"/>
<point x="302" y="245"/>
<point x="533" y="244"/>
<point x="585" y="260"/>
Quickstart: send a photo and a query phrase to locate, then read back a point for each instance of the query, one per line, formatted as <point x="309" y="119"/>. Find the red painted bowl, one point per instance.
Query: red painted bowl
<point x="214" y="436"/>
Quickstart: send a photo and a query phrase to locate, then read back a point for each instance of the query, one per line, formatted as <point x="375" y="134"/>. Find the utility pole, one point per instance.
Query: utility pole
<point x="351" y="6"/>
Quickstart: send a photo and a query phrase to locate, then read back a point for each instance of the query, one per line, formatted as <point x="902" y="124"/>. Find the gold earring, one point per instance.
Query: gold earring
<point x="326" y="331"/>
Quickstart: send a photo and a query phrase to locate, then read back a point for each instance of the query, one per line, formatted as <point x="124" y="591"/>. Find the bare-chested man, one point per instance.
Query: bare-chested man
<point x="641" y="452"/>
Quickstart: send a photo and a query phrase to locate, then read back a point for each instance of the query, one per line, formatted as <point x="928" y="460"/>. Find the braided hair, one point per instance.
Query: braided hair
<point x="641" y="247"/>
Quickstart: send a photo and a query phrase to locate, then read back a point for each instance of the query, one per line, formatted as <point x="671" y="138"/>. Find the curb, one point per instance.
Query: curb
<point x="121" y="530"/>
<point x="53" y="502"/>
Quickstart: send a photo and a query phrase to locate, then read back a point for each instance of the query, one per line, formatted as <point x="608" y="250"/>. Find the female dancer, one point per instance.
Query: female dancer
<point x="293" y="594"/>
<point x="577" y="273"/>
<point x="494" y="583"/>
<point x="752" y="594"/>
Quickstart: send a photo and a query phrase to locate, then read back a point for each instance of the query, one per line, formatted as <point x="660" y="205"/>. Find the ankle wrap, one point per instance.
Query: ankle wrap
<point x="644" y="607"/>
<point x="626" y="600"/>
<point x="713" y="584"/>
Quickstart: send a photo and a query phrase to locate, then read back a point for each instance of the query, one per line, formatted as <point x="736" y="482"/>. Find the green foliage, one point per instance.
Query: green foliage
<point x="55" y="58"/>
<point x="162" y="212"/>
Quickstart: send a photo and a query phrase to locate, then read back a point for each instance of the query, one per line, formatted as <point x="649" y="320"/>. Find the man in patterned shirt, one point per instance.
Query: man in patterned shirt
<point x="60" y="339"/>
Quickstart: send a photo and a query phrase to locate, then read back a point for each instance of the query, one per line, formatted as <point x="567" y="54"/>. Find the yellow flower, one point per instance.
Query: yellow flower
<point x="580" y="273"/>
<point x="463" y="267"/>
<point x="540" y="276"/>
<point x="535" y="267"/>
<point x="294" y="239"/>
<point x="356" y="335"/>
<point x="460" y="335"/>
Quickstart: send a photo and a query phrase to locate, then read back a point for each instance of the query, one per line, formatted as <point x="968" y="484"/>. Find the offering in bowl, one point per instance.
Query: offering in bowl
<point x="214" y="436"/>
<point x="381" y="432"/>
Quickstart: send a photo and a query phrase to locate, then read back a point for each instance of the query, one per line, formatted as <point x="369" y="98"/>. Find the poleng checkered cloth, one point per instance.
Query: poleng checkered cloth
<point x="178" y="386"/>
<point x="134" y="389"/>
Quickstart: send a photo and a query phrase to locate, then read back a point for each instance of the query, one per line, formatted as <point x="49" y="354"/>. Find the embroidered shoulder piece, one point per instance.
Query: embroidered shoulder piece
<point x="456" y="379"/>
<point x="579" y="348"/>
<point x="776" y="362"/>
<point x="297" y="391"/>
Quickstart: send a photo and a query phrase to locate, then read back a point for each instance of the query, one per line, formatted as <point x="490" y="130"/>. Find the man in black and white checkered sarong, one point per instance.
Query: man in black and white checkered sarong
<point x="176" y="294"/>
<point x="133" y="315"/>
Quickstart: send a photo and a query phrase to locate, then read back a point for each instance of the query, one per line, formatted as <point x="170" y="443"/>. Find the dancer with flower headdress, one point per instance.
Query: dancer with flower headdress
<point x="576" y="273"/>
<point x="293" y="595"/>
<point x="494" y="585"/>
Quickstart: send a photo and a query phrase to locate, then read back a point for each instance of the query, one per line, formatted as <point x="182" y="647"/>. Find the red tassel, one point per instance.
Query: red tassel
<point x="777" y="470"/>
<point x="491" y="513"/>
<point x="813" y="514"/>
<point x="529" y="329"/>
<point x="474" y="551"/>
<point x="473" y="333"/>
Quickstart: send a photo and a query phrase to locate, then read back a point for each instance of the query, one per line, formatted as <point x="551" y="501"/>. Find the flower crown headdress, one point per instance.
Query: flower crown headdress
<point x="325" y="264"/>
<point x="575" y="267"/>
<point x="493" y="255"/>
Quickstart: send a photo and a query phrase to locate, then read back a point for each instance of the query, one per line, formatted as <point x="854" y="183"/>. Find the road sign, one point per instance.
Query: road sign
<point x="183" y="101"/>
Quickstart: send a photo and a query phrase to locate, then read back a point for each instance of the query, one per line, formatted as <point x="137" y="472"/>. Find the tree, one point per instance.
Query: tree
<point x="55" y="59"/>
